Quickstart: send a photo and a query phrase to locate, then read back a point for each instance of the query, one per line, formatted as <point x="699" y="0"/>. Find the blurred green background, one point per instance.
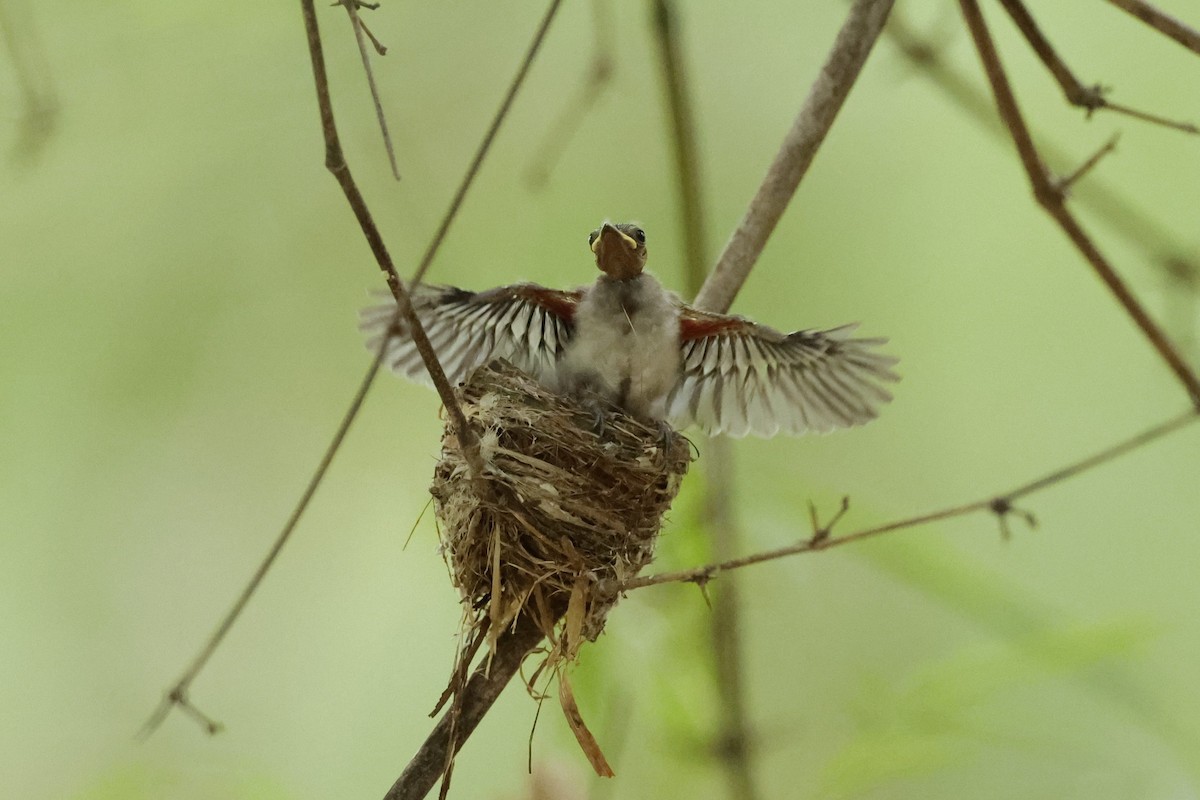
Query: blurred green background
<point x="177" y="342"/>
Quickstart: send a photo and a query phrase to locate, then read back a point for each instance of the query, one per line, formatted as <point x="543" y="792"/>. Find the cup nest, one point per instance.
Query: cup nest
<point x="562" y="514"/>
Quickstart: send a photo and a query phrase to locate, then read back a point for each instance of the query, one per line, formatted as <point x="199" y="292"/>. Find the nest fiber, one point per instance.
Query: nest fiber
<point x="563" y="512"/>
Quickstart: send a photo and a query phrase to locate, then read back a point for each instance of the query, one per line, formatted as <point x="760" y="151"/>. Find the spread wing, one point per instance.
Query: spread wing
<point x="525" y="323"/>
<point x="742" y="378"/>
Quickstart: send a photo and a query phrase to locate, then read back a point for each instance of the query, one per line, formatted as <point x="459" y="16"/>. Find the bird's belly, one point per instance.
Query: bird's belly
<point x="633" y="365"/>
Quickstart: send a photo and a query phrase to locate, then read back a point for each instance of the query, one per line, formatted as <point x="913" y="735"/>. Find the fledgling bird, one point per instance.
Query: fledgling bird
<point x="637" y="345"/>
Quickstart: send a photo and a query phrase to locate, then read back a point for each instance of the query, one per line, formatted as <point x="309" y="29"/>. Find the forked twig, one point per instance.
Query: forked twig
<point x="1065" y="183"/>
<point x="335" y="162"/>
<point x="1051" y="198"/>
<point x="1000" y="505"/>
<point x="1118" y="212"/>
<point x="177" y="695"/>
<point x="825" y="98"/>
<point x="1090" y="98"/>
<point x="360" y="28"/>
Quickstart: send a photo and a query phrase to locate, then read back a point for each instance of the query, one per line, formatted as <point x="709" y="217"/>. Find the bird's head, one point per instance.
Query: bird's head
<point x="620" y="249"/>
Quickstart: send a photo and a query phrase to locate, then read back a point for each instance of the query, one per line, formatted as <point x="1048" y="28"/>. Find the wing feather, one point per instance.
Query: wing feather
<point x="741" y="378"/>
<point x="527" y="324"/>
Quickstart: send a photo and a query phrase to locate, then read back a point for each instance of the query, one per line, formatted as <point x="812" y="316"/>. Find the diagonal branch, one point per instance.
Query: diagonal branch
<point x="335" y="162"/>
<point x="825" y="98"/>
<point x="732" y="741"/>
<point x="1050" y="196"/>
<point x="486" y="144"/>
<point x="1163" y="247"/>
<point x="1163" y="23"/>
<point x="452" y="730"/>
<point x="177" y="695"/>
<point x="1087" y="97"/>
<point x="1001" y="505"/>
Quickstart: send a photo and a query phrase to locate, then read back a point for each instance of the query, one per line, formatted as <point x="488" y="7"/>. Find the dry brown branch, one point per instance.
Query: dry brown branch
<point x="732" y="740"/>
<point x="486" y="684"/>
<point x="1067" y="181"/>
<point x="825" y="98"/>
<point x="1086" y="97"/>
<point x="360" y="28"/>
<point x="335" y="162"/>
<point x="1051" y="198"/>
<point x="1163" y="23"/>
<point x="177" y="695"/>
<point x="1001" y="505"/>
<point x="1120" y="215"/>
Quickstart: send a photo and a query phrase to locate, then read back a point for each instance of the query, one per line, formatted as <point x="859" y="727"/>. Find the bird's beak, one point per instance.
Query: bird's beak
<point x="616" y="252"/>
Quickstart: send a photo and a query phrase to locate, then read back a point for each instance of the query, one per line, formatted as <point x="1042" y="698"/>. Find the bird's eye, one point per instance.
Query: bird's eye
<point x="592" y="237"/>
<point x="640" y="235"/>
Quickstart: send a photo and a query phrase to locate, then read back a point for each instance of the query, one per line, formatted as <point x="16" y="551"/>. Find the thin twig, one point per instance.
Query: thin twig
<point x="683" y="140"/>
<point x="599" y="75"/>
<point x="1163" y="23"/>
<point x="177" y="695"/>
<point x="1066" y="182"/>
<point x="1000" y="505"/>
<point x="488" y="138"/>
<point x="733" y="739"/>
<point x="1163" y="246"/>
<point x="850" y="50"/>
<point x="434" y="758"/>
<point x="360" y="28"/>
<point x="1052" y="200"/>
<point x="335" y="162"/>
<point x="1086" y="97"/>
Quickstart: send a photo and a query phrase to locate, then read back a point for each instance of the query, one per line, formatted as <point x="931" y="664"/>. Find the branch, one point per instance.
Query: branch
<point x="335" y="162"/>
<point x="486" y="684"/>
<point x="732" y="740"/>
<point x="683" y="139"/>
<point x="825" y="98"/>
<point x="1051" y="198"/>
<point x="1001" y="505"/>
<point x="1128" y="220"/>
<point x="488" y="138"/>
<point x="177" y="695"/>
<point x="1164" y="24"/>
<point x="1086" y="97"/>
<point x="360" y="28"/>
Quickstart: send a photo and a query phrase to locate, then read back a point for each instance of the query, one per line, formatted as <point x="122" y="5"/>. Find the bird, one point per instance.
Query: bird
<point x="632" y="343"/>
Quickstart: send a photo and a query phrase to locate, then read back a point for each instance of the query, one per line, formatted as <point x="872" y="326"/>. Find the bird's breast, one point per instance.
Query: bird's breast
<point x="626" y="345"/>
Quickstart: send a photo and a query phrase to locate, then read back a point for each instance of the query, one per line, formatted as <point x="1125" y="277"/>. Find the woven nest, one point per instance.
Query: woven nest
<point x="561" y="515"/>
